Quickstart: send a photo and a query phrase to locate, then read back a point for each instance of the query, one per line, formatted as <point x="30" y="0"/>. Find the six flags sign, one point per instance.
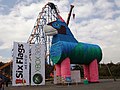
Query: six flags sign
<point x="21" y="70"/>
<point x="20" y="64"/>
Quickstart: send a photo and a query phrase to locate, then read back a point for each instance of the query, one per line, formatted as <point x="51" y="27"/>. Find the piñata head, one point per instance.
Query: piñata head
<point x="60" y="31"/>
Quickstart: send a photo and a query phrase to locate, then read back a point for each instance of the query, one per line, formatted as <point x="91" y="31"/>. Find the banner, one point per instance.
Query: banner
<point x="38" y="64"/>
<point x="20" y="64"/>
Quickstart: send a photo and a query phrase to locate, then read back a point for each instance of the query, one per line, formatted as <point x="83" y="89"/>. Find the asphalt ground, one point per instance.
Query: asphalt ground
<point x="104" y="84"/>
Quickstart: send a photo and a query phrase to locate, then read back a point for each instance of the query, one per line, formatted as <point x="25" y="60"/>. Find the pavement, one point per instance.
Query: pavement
<point x="104" y="84"/>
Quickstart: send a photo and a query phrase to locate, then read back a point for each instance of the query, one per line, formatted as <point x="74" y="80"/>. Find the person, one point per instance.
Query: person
<point x="7" y="81"/>
<point x="1" y="81"/>
<point x="1" y="85"/>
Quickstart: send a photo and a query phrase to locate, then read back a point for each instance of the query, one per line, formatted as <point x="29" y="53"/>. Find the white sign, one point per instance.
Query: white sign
<point x="75" y="77"/>
<point x="20" y="64"/>
<point x="38" y="64"/>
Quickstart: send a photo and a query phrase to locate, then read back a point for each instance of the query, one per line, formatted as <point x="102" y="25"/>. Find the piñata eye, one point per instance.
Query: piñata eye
<point x="56" y="25"/>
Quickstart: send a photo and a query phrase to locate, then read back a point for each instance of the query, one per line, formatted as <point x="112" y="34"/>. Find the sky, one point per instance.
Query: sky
<point x="96" y="22"/>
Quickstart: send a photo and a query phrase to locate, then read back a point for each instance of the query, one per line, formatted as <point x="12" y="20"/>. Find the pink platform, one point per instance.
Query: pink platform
<point x="91" y="71"/>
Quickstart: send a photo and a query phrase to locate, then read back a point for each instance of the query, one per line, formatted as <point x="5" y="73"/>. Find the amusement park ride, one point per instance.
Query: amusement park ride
<point x="60" y="45"/>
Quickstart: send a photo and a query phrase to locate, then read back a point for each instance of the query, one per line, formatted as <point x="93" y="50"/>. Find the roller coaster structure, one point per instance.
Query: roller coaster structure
<point x="48" y="14"/>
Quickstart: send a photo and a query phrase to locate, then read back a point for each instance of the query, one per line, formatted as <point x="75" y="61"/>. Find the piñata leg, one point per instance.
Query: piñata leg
<point x="86" y="72"/>
<point x="58" y="73"/>
<point x="93" y="68"/>
<point x="66" y="70"/>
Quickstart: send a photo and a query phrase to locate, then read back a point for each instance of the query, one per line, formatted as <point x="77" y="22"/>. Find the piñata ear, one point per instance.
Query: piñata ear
<point x="60" y="18"/>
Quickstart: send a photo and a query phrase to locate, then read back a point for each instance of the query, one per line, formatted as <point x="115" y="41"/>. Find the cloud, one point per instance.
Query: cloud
<point x="111" y="54"/>
<point x="83" y="9"/>
<point x="26" y="2"/>
<point x="3" y="59"/>
<point x="1" y="43"/>
<point x="103" y="4"/>
<point x="96" y="22"/>
<point x="18" y="24"/>
<point x="2" y="8"/>
<point x="14" y="29"/>
<point x="117" y="2"/>
<point x="103" y="30"/>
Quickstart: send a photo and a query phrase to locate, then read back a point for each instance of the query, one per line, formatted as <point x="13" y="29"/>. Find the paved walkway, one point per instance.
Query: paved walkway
<point x="103" y="85"/>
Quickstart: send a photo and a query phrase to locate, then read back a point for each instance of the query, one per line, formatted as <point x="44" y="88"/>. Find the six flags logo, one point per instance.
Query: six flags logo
<point x="19" y="62"/>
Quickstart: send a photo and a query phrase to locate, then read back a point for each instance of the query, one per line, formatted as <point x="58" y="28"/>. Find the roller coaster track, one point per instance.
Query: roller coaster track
<point x="3" y="67"/>
<point x="6" y="75"/>
<point x="49" y="13"/>
<point x="7" y="64"/>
